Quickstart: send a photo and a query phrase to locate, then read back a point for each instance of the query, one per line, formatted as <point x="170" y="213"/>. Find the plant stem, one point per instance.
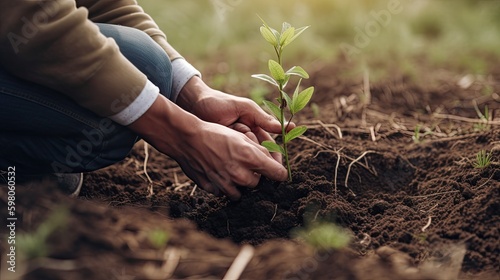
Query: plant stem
<point x="283" y="131"/>
<point x="283" y="106"/>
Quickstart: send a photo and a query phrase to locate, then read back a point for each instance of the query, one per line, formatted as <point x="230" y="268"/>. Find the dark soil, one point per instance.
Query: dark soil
<point x="416" y="210"/>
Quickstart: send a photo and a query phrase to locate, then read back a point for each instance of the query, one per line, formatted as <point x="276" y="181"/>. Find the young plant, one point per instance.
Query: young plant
<point x="34" y="244"/>
<point x="484" y="117"/>
<point x="158" y="238"/>
<point x="280" y="78"/>
<point x="483" y="159"/>
<point x="324" y="236"/>
<point x="417" y="137"/>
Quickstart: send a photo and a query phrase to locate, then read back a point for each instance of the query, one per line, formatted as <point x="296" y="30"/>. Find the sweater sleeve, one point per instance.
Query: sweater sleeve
<point x="53" y="43"/>
<point x="127" y="13"/>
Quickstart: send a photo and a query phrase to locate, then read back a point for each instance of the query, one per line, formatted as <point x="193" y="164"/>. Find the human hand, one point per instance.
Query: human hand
<point x="225" y="109"/>
<point x="219" y="159"/>
<point x="215" y="157"/>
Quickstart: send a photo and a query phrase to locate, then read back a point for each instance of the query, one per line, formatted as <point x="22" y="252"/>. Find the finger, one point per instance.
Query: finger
<point x="271" y="169"/>
<point x="221" y="180"/>
<point x="240" y="127"/>
<point x="245" y="130"/>
<point x="254" y="115"/>
<point x="290" y="126"/>
<point x="245" y="177"/>
<point x="252" y="137"/>
<point x="262" y="135"/>
<point x="231" y="192"/>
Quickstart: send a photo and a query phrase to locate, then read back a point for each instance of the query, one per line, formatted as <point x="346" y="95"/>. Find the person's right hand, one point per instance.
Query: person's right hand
<point x="215" y="157"/>
<point x="219" y="159"/>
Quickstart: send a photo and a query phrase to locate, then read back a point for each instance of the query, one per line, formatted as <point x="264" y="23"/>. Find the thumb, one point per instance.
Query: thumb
<point x="263" y="120"/>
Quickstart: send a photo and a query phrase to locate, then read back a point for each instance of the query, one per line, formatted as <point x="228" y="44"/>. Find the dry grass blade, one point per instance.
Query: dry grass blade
<point x="172" y="258"/>
<point x="319" y="124"/>
<point x="336" y="171"/>
<point x="349" y="169"/>
<point x="240" y="263"/>
<point x="463" y="119"/>
<point x="424" y="228"/>
<point x="194" y="189"/>
<point x="146" y="158"/>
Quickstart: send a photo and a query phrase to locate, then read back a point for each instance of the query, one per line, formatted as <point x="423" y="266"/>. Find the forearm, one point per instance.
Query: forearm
<point x="191" y="93"/>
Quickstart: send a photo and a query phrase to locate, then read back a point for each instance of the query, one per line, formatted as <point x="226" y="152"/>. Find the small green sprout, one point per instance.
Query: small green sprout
<point x="316" y="110"/>
<point x="487" y="90"/>
<point x="34" y="244"/>
<point x="280" y="78"/>
<point x="483" y="160"/>
<point x="158" y="238"/>
<point x="484" y="117"/>
<point x="417" y="136"/>
<point x="324" y="236"/>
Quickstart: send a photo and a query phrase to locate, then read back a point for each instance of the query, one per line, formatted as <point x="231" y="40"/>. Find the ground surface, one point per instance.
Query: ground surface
<point x="416" y="210"/>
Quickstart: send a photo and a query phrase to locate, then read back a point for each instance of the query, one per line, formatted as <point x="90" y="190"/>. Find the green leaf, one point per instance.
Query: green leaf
<point x="275" y="110"/>
<point x="277" y="35"/>
<point x="294" y="133"/>
<point x="285" y="27"/>
<point x="269" y="35"/>
<point x="298" y="71"/>
<point x="286" y="36"/>
<point x="295" y="96"/>
<point x="300" y="100"/>
<point x="287" y="98"/>
<point x="266" y="78"/>
<point x="298" y="31"/>
<point x="285" y="82"/>
<point x="273" y="147"/>
<point x="277" y="71"/>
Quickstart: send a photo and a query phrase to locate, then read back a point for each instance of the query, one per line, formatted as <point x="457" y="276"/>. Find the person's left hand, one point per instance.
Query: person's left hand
<point x="238" y="113"/>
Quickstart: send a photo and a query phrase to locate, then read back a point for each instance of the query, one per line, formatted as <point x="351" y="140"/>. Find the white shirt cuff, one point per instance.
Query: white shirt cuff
<point x="139" y="106"/>
<point x="182" y="72"/>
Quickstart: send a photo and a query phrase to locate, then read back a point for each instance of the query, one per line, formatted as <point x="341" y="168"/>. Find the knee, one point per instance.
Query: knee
<point x="93" y="149"/>
<point x="100" y="147"/>
<point x="144" y="53"/>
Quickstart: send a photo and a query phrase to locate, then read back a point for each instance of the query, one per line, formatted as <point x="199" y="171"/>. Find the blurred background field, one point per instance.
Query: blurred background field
<point x="221" y="37"/>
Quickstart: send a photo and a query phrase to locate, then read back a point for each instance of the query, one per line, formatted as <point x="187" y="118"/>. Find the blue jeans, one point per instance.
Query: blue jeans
<point x="43" y="131"/>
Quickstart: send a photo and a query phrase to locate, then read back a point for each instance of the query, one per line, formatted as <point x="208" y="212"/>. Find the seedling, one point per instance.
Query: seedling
<point x="417" y="137"/>
<point x="484" y="117"/>
<point x="280" y="78"/>
<point x="324" y="236"/>
<point x="34" y="244"/>
<point x="316" y="110"/>
<point x="158" y="238"/>
<point x="483" y="159"/>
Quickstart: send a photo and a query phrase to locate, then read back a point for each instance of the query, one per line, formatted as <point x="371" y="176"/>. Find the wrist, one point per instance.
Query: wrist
<point x="182" y="73"/>
<point x="192" y="92"/>
<point x="166" y="126"/>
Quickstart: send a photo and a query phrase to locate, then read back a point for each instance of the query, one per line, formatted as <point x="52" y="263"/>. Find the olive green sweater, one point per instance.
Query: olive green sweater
<point x="55" y="43"/>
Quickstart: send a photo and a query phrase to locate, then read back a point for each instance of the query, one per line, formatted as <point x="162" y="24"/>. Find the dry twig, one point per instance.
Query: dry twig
<point x="428" y="224"/>
<point x="240" y="263"/>
<point x="194" y="189"/>
<point x="349" y="169"/>
<point x="275" y="211"/>
<point x="146" y="158"/>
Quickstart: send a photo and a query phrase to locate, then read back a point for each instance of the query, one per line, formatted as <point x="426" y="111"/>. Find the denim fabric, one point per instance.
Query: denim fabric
<point x="43" y="131"/>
